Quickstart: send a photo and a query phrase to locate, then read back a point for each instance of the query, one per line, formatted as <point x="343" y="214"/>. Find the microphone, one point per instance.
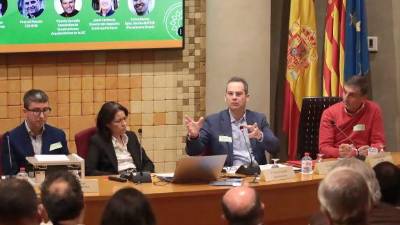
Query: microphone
<point x="9" y="150"/>
<point x="140" y="176"/>
<point x="140" y="148"/>
<point x="253" y="168"/>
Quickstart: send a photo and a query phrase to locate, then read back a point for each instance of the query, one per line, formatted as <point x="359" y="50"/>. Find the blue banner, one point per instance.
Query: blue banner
<point x="356" y="46"/>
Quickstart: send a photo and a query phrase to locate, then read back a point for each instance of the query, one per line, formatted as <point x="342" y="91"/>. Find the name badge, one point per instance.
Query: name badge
<point x="55" y="146"/>
<point x="281" y="173"/>
<point x="225" y="139"/>
<point x="359" y="127"/>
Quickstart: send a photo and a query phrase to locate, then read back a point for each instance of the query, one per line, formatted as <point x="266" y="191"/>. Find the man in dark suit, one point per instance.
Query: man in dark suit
<point x="33" y="136"/>
<point x="234" y="131"/>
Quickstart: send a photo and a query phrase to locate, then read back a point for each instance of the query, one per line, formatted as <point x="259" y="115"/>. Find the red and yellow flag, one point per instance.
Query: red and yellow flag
<point x="333" y="72"/>
<point x="301" y="73"/>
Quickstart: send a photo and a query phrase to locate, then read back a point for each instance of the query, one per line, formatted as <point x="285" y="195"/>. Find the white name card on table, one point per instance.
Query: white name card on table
<point x="324" y="167"/>
<point x="281" y="173"/>
<point x="52" y="158"/>
<point x="372" y="160"/>
<point x="90" y="185"/>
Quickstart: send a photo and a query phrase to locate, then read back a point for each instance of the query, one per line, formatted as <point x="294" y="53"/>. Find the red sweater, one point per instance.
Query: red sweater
<point x="364" y="127"/>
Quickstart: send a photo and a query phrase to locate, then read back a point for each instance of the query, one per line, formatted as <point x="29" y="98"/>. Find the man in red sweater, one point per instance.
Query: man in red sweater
<point x="352" y="126"/>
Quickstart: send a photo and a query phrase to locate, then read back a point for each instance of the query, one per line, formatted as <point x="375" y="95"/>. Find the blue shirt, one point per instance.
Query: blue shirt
<point x="240" y="141"/>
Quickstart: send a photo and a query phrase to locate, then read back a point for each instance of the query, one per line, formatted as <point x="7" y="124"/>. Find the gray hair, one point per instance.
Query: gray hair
<point x="34" y="95"/>
<point x="344" y="196"/>
<point x="367" y="173"/>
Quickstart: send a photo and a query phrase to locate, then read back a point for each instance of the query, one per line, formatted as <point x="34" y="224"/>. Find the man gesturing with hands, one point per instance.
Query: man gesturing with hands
<point x="235" y="131"/>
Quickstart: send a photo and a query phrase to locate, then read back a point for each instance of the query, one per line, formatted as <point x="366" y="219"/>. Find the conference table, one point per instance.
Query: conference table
<point x="287" y="202"/>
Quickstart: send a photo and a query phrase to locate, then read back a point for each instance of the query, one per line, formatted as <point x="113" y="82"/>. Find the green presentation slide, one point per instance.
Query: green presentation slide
<point x="67" y="25"/>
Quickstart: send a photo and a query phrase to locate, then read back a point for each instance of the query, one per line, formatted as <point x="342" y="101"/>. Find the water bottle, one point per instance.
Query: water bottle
<point x="306" y="164"/>
<point x="22" y="174"/>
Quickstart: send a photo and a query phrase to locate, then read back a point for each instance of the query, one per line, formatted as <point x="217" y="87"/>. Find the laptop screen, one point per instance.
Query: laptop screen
<point x="199" y="168"/>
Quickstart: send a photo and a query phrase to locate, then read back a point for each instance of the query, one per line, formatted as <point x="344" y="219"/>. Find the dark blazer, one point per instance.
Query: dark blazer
<point x="21" y="146"/>
<point x="102" y="160"/>
<point x="219" y="124"/>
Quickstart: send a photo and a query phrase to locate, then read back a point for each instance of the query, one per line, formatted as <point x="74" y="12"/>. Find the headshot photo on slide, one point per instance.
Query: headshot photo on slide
<point x="67" y="8"/>
<point x="105" y="7"/>
<point x="3" y="7"/>
<point x="141" y="7"/>
<point x="31" y="8"/>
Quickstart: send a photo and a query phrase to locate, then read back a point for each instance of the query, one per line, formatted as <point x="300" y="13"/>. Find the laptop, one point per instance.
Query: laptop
<point x="197" y="169"/>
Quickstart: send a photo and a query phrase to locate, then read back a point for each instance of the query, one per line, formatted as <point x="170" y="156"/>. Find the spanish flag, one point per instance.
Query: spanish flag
<point x="346" y="47"/>
<point x="301" y="71"/>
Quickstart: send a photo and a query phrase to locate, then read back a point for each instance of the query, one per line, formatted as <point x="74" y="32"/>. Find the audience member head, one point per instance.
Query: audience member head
<point x="388" y="176"/>
<point x="62" y="198"/>
<point x="344" y="197"/>
<point x="139" y="211"/>
<point x="111" y="120"/>
<point x="242" y="205"/>
<point x="18" y="203"/>
<point x="367" y="173"/>
<point x="36" y="109"/>
<point x="355" y="92"/>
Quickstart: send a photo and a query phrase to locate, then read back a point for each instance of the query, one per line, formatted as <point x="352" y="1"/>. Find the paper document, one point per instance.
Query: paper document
<point x="51" y="158"/>
<point x="269" y="166"/>
<point x="164" y="174"/>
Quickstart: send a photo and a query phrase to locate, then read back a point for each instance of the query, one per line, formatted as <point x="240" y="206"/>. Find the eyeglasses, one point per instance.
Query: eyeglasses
<point x="38" y="111"/>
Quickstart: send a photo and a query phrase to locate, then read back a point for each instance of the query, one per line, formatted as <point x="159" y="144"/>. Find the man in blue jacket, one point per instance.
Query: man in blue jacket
<point x="235" y="131"/>
<point x="33" y="136"/>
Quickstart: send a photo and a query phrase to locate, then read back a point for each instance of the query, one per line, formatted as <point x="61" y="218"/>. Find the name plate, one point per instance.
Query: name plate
<point x="324" y="167"/>
<point x="372" y="160"/>
<point x="281" y="173"/>
<point x="90" y="185"/>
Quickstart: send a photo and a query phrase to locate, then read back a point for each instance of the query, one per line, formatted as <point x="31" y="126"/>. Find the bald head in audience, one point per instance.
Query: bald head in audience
<point x="62" y="197"/>
<point x="344" y="197"/>
<point x="242" y="206"/>
<point x="18" y="203"/>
